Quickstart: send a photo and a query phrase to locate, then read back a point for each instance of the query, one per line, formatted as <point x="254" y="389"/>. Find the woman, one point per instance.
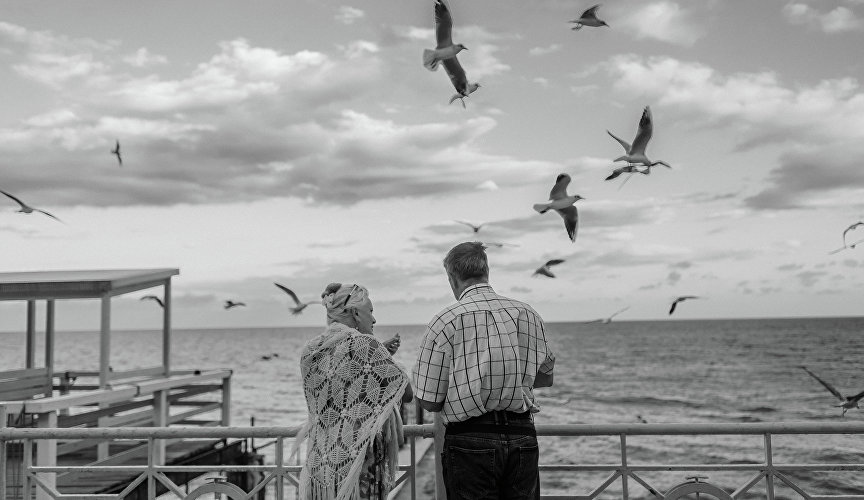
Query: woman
<point x="353" y="391"/>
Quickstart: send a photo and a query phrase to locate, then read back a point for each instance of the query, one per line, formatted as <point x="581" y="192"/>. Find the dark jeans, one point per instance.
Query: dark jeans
<point x="492" y="457"/>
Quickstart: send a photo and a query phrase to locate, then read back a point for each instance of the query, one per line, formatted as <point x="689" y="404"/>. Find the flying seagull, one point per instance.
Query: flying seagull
<point x="153" y="297"/>
<point x="851" y="228"/>
<point x="588" y="18"/>
<point x="230" y="303"/>
<point x="27" y="209"/>
<point x="445" y="53"/>
<point x="635" y="153"/>
<point x="609" y="319"/>
<point x="544" y="269"/>
<point x="681" y="299"/>
<point x="847" y="403"/>
<point x="476" y="228"/>
<point x="445" y="48"/>
<point x="563" y="204"/>
<point x="116" y="152"/>
<point x="300" y="305"/>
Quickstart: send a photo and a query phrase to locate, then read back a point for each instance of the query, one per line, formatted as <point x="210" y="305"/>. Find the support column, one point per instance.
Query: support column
<point x="226" y="402"/>
<point x="166" y="328"/>
<point x="160" y="419"/>
<point x="49" y="346"/>
<point x="440" y="491"/>
<point x="103" y="448"/>
<point x="46" y="455"/>
<point x="30" y="358"/>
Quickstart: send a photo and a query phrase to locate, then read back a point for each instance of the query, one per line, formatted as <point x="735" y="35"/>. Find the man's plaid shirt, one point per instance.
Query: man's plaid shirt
<point x="482" y="354"/>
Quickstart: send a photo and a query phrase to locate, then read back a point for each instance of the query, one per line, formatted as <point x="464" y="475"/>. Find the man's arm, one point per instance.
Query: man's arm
<point x="431" y="373"/>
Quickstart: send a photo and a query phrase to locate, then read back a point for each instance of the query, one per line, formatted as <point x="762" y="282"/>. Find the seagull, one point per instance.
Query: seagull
<point x="851" y="228"/>
<point x="230" y="303"/>
<point x="641" y="419"/>
<point x="588" y="18"/>
<point x="635" y="153"/>
<point x="300" y="305"/>
<point x="681" y="299"/>
<point x="153" y="297"/>
<point x="544" y="269"/>
<point x="26" y="209"/>
<point x="445" y="53"/>
<point x="472" y="226"/>
<point x="608" y="320"/>
<point x="266" y="358"/>
<point x="626" y="169"/>
<point x="445" y="48"/>
<point x="847" y="403"/>
<point x="563" y="204"/>
<point x="116" y="151"/>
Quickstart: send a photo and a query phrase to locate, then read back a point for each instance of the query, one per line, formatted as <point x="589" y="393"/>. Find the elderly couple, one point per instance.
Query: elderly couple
<point x="479" y="361"/>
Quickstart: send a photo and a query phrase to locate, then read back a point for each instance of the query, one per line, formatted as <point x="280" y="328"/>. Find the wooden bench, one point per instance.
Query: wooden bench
<point x="18" y="385"/>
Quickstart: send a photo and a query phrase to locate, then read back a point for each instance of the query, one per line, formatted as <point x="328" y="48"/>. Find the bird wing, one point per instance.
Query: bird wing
<point x="457" y="75"/>
<point x="554" y="262"/>
<point x="49" y="215"/>
<point x="619" y="311"/>
<point x="443" y="24"/>
<point x="559" y="190"/>
<point x="472" y="226"/>
<point x="828" y="386"/>
<point x="14" y="198"/>
<point x="571" y="220"/>
<point x="289" y="292"/>
<point x="850" y="228"/>
<point x="643" y="135"/>
<point x="622" y="142"/>
<point x="672" y="309"/>
<point x="590" y="13"/>
<point x="856" y="397"/>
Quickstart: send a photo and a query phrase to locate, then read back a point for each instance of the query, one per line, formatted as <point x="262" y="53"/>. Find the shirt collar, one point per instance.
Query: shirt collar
<point x="475" y="289"/>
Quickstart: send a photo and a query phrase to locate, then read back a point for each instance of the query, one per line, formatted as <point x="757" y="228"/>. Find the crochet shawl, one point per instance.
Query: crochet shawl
<point x="353" y="390"/>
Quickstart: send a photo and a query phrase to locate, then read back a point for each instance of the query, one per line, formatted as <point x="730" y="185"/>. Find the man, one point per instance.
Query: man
<point x="479" y="361"/>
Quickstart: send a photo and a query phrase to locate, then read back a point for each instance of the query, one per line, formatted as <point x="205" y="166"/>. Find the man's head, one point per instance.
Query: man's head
<point x="466" y="265"/>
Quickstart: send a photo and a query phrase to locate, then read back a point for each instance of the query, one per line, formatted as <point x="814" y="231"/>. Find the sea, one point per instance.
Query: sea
<point x="678" y="371"/>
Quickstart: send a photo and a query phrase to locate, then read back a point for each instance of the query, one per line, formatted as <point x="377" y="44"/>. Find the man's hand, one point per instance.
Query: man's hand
<point x="393" y="344"/>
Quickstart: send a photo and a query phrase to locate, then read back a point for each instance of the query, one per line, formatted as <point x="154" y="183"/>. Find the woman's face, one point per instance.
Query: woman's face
<point x="363" y="316"/>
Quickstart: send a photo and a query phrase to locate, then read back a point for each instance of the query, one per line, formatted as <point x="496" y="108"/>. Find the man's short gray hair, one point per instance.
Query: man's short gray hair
<point x="467" y="261"/>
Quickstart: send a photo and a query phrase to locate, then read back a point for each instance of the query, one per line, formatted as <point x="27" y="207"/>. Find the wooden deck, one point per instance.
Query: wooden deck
<point x="186" y="452"/>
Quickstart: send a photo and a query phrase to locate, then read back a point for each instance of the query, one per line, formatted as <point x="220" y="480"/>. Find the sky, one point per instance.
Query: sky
<point x="303" y="142"/>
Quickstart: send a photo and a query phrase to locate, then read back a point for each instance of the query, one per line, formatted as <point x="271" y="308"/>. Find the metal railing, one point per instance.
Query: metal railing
<point x="40" y="479"/>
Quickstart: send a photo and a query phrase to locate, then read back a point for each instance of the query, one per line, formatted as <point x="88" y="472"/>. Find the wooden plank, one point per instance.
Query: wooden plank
<point x="140" y="372"/>
<point x="179" y="381"/>
<point x="26" y="372"/>
<point x="118" y="393"/>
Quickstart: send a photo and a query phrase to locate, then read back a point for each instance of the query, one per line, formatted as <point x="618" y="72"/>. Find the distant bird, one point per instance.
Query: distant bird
<point x="641" y="420"/>
<point x="851" y="228"/>
<point x="635" y="153"/>
<point x="230" y="303"/>
<point x="300" y="305"/>
<point x="544" y="269"/>
<point x="588" y="18"/>
<point x="26" y="209"/>
<point x="116" y="152"/>
<point x="266" y="358"/>
<point x="445" y="48"/>
<point x="476" y="228"/>
<point x="681" y="299"/>
<point x="153" y="297"/>
<point x="609" y="319"/>
<point x="563" y="204"/>
<point x="847" y="402"/>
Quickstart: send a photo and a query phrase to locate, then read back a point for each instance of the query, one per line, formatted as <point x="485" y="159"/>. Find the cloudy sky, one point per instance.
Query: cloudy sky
<point x="303" y="142"/>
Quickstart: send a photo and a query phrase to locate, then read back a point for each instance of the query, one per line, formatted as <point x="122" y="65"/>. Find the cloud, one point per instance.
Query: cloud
<point x="810" y="278"/>
<point x="838" y="20"/>
<point x="488" y="185"/>
<point x="542" y="51"/>
<point x="664" y="21"/>
<point x="348" y="15"/>
<point x="142" y="58"/>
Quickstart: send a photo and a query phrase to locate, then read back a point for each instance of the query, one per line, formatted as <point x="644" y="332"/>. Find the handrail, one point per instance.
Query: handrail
<point x="426" y="430"/>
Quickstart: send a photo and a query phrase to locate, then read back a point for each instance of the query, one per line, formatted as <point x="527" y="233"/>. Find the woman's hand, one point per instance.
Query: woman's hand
<point x="393" y="344"/>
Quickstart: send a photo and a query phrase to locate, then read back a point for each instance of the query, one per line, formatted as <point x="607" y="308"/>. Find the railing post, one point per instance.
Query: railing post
<point x="26" y="464"/>
<point x="440" y="490"/>
<point x="280" y="471"/>
<point x="160" y="419"/>
<point x="769" y="470"/>
<point x="151" y="478"/>
<point x="226" y="401"/>
<point x="2" y="455"/>
<point x="46" y="454"/>
<point x="624" y="471"/>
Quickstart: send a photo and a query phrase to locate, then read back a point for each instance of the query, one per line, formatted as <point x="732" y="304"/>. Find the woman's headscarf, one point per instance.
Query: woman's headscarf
<point x="338" y="299"/>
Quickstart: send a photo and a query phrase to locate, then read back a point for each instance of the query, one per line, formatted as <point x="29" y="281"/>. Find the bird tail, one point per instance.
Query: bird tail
<point x="541" y="207"/>
<point x="430" y="62"/>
